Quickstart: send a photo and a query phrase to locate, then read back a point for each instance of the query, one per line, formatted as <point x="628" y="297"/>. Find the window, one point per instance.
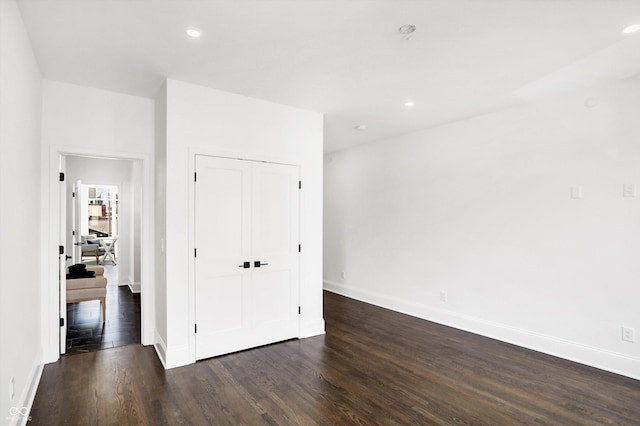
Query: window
<point x="102" y="210"/>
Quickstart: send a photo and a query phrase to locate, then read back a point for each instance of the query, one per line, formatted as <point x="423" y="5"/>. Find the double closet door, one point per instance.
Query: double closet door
<point x="247" y="254"/>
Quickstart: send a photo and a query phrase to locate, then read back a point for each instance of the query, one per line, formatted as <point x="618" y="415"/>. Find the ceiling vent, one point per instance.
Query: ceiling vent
<point x="406" y="31"/>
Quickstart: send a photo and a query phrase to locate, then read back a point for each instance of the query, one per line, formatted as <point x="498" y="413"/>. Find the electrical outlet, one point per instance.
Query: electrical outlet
<point x="11" y="388"/>
<point x="628" y="334"/>
<point x="444" y="296"/>
<point x="628" y="190"/>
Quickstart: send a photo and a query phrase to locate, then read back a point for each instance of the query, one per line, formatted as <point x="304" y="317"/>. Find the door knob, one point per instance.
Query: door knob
<point x="258" y="264"/>
<point x="245" y="265"/>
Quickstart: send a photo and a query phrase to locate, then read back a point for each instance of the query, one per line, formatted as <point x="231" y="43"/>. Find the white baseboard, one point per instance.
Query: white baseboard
<point x="161" y="348"/>
<point x="172" y="356"/>
<point x="135" y="287"/>
<point x="311" y="328"/>
<point x="27" y="396"/>
<point x="595" y="357"/>
<point x="177" y="356"/>
<point x="123" y="283"/>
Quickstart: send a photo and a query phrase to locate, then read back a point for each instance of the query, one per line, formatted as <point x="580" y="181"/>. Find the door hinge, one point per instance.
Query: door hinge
<point x="299" y="310"/>
<point x="196" y="328"/>
<point x="73" y="195"/>
<point x="61" y="322"/>
<point x="73" y="232"/>
<point x="299" y="184"/>
<point x="195" y="252"/>
<point x="195" y="176"/>
<point x="60" y="249"/>
<point x="299" y="248"/>
<point x="61" y="177"/>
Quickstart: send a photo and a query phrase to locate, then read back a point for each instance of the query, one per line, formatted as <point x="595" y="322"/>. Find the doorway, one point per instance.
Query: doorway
<point x="103" y="213"/>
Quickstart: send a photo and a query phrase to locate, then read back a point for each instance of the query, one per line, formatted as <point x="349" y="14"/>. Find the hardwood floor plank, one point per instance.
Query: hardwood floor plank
<point x="373" y="366"/>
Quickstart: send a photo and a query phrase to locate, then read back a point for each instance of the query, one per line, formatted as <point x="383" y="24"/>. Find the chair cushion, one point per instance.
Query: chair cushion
<point x="86" y="283"/>
<point x="90" y="248"/>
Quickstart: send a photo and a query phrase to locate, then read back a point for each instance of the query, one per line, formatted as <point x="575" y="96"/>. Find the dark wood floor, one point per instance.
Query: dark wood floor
<point x="373" y="366"/>
<point x="85" y="330"/>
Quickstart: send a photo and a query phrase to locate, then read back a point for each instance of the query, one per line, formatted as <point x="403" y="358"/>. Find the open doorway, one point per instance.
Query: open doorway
<point x="95" y="224"/>
<point x="103" y="227"/>
<point x="101" y="216"/>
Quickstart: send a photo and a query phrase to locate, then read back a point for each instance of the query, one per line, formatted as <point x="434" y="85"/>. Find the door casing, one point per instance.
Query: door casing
<point x="51" y="222"/>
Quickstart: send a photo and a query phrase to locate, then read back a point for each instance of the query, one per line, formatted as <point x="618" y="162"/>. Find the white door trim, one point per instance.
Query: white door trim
<point x="51" y="223"/>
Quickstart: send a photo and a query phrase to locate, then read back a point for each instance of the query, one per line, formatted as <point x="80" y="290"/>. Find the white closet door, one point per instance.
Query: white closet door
<point x="245" y="212"/>
<point x="274" y="241"/>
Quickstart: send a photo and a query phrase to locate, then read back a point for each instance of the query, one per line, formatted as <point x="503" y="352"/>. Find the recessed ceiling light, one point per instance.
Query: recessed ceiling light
<point x="361" y="127"/>
<point x="631" y="29"/>
<point x="409" y="104"/>
<point x="193" y="33"/>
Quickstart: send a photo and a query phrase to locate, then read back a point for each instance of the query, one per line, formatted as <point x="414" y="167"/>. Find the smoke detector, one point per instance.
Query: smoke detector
<point x="407" y="31"/>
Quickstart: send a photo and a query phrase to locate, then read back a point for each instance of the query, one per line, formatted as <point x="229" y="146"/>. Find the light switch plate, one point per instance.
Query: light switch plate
<point x="628" y="334"/>
<point x="628" y="190"/>
<point x="576" y="192"/>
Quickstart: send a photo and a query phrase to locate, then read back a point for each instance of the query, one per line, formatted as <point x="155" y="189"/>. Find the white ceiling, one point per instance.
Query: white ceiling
<point x="344" y="58"/>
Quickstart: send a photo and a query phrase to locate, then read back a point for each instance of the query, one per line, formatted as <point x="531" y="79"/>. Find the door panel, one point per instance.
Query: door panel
<point x="245" y="212"/>
<point x="271" y="297"/>
<point x="222" y="214"/>
<point x="272" y="218"/>
<point x="222" y="207"/>
<point x="275" y="240"/>
<point x="221" y="317"/>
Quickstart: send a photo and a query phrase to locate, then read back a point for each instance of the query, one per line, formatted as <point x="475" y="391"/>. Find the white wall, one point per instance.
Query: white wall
<point x="83" y="121"/>
<point x="481" y="209"/>
<point x="97" y="119"/>
<point x="21" y="354"/>
<point x="207" y="121"/>
<point x="108" y="172"/>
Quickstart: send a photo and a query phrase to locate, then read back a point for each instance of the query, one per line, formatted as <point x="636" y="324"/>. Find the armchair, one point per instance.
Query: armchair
<point x="91" y="247"/>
